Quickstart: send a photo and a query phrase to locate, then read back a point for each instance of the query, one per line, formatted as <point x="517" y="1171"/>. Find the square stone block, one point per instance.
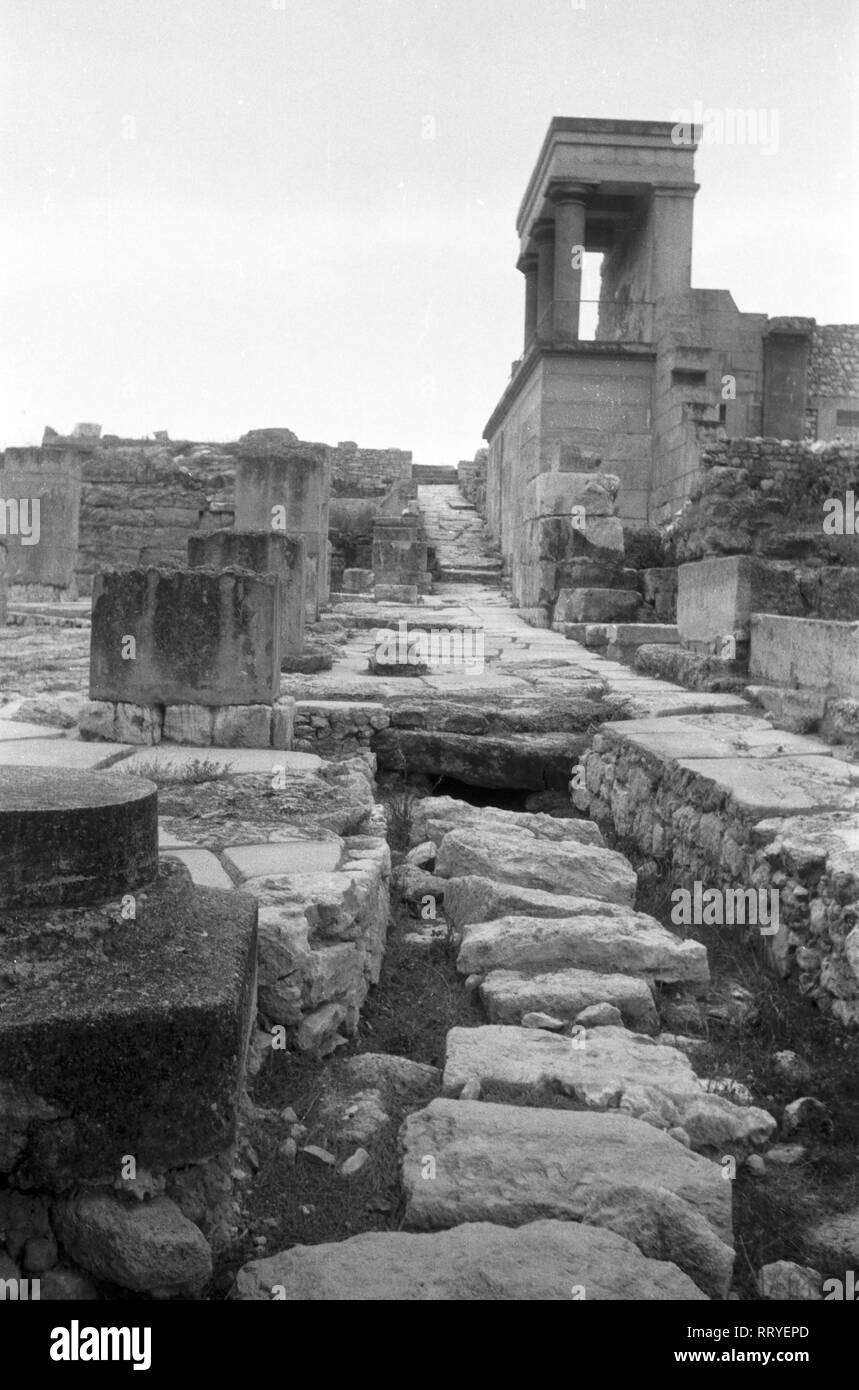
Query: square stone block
<point x="716" y="598"/>
<point x="172" y="636"/>
<point x="601" y="606"/>
<point x="806" y="652"/>
<point x="132" y="1040"/>
<point x="188" y="724"/>
<point x="397" y="593"/>
<point x="357" y="581"/>
<point x="242" y="726"/>
<point x="261" y="552"/>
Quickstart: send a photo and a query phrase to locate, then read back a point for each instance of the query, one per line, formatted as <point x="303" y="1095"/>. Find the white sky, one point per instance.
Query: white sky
<point x="224" y="214"/>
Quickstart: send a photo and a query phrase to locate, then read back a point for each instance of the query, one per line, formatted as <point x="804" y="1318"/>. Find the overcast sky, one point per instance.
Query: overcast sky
<point x="228" y="214"/>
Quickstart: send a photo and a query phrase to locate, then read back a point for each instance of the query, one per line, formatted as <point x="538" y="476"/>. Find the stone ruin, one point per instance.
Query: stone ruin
<point x="635" y="518"/>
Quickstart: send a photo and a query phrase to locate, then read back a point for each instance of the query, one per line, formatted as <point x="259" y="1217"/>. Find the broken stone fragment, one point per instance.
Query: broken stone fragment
<point x="142" y="1246"/>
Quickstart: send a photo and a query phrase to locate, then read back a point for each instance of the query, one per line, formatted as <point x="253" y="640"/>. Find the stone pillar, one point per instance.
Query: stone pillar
<point x="528" y="266"/>
<point x="262" y="552"/>
<point x="787" y="347"/>
<point x="185" y="637"/>
<point x="544" y="238"/>
<point x="569" y="201"/>
<point x="40" y="497"/>
<point x="671" y="239"/>
<point x="3" y="589"/>
<point x="286" y="489"/>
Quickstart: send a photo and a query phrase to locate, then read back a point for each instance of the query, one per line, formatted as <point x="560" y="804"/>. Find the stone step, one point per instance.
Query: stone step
<point x="471" y="575"/>
<point x="604" y="1069"/>
<point x="544" y="1260"/>
<point x="627" y="942"/>
<point x="434" y="475"/>
<point x="811" y="652"/>
<point x="512" y="856"/>
<point x="509" y="995"/>
<point x="478" y="1161"/>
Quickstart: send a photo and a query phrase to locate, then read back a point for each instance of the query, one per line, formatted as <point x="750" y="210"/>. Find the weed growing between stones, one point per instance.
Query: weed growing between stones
<point x="169" y="774"/>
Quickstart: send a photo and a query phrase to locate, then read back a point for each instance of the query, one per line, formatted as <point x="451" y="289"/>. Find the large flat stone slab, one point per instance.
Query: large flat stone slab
<point x="59" y="752"/>
<point x="298" y="856"/>
<point x="16" y="729"/>
<point x="512" y="1165"/>
<point x="719" y="736"/>
<point x="545" y="1260"/>
<point x="607" y="1069"/>
<point x="518" y="856"/>
<point x="634" y="944"/>
<point x="434" y="816"/>
<point x="530" y="761"/>
<point x="234" y="761"/>
<point x="509" y="994"/>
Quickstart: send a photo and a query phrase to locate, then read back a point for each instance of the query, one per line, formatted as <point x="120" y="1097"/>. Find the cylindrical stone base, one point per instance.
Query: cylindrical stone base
<point x="69" y="838"/>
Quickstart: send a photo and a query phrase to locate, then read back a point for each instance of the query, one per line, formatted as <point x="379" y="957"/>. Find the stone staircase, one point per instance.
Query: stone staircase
<point x="457" y="533"/>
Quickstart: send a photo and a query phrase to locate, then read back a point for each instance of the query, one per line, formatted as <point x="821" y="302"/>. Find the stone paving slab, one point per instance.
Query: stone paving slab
<point x="234" y="761"/>
<point x="545" y="1261"/>
<point x="516" y="856"/>
<point x="724" y="735"/>
<point x="289" y="857"/>
<point x="513" y="1165"/>
<point x="203" y="866"/>
<point x="59" y="752"/>
<point x="14" y="730"/>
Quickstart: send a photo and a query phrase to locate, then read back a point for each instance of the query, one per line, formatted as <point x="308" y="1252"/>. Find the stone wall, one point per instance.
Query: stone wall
<point x="364" y="472"/>
<point x="833" y="368"/>
<point x="766" y="497"/>
<point x="472" y="479"/>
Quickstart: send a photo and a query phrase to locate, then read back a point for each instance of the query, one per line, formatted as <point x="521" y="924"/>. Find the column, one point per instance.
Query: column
<point x="286" y="490"/>
<point x="569" y="200"/>
<point x="671" y="239"/>
<point x="543" y="232"/>
<point x="527" y="263"/>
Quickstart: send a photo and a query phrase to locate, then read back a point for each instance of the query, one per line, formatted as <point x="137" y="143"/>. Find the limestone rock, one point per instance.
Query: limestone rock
<point x="544" y="1260"/>
<point x="520" y="857"/>
<point x="541" y="1020"/>
<point x="398" y="1076"/>
<point x="242" y="726"/>
<point x="507" y="994"/>
<point x="354" y="1163"/>
<point x="188" y="724"/>
<point x="358" y="1118"/>
<point x="146" y="1247"/>
<point x="423" y="855"/>
<point x="602" y="1015"/>
<point x="631" y="943"/>
<point x="434" y="816"/>
<point x="515" y="1165"/>
<point x="472" y="898"/>
<point x="137" y="723"/>
<point x="605" y="1069"/>
<point x="838" y="1236"/>
<point x="786" y="1282"/>
<point x="67" y="1285"/>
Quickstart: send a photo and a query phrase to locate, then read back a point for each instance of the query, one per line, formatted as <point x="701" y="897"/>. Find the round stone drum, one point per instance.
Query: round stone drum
<point x="70" y="838"/>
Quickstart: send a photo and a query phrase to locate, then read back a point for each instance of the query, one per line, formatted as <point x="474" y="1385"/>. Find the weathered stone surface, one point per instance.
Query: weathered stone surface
<point x="508" y="994"/>
<point x="513" y="1165"/>
<point x="806" y="651"/>
<point x="636" y="944"/>
<point x="522" y="857"/>
<point x="74" y="837"/>
<point x="787" y="1282"/>
<point x="137" y="723"/>
<point x="838" y="1236"/>
<point x="398" y="1075"/>
<point x="544" y="1260"/>
<point x="200" y="637"/>
<point x="601" y="606"/>
<point x="434" y="816"/>
<point x="262" y="552"/>
<point x="242" y="726"/>
<point x="42" y="550"/>
<point x="143" y="1246"/>
<point x="155" y="1009"/>
<point x="191" y="724"/>
<point x="607" y="1069"/>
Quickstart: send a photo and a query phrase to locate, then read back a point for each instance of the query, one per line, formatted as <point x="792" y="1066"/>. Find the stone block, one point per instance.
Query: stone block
<point x="148" y="1247"/>
<point x="285" y="488"/>
<point x="39" y="515"/>
<point x="716" y="598"/>
<point x="98" y="719"/>
<point x="137" y="723"/>
<point x="154" y="1010"/>
<point x="809" y="652"/>
<point x="188" y="724"/>
<point x="601" y="606"/>
<point x="356" y="581"/>
<point x="242" y="726"/>
<point x="261" y="552"/>
<point x="171" y="636"/>
<point x="74" y="837"/>
<point x="283" y="722"/>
